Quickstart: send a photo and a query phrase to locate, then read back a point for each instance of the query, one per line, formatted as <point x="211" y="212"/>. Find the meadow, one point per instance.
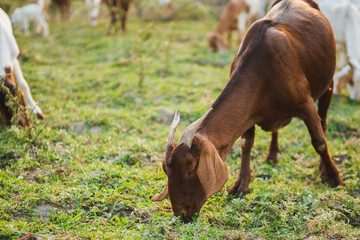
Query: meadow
<point x="89" y="170"/>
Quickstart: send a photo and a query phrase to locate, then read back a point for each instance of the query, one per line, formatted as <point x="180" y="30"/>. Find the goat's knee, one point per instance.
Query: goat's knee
<point x="319" y="145"/>
<point x="24" y="86"/>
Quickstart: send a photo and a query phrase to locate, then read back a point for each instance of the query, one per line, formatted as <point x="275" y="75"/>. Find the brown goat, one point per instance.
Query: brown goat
<point x="227" y="24"/>
<point x="6" y="113"/>
<point x="64" y="6"/>
<point x="285" y="63"/>
<point x="118" y="10"/>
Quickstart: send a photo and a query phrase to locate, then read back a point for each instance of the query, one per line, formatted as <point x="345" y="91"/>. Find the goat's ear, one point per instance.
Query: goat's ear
<point x="212" y="171"/>
<point x="161" y="196"/>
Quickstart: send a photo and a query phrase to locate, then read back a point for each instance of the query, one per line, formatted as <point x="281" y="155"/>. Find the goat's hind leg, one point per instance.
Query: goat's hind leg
<point x="315" y="127"/>
<point x="323" y="106"/>
<point x="241" y="185"/>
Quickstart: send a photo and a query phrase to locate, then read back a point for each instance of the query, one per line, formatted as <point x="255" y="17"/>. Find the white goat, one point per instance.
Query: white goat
<point x="164" y="2"/>
<point x="9" y="50"/>
<point x="32" y="12"/>
<point x="256" y="11"/>
<point x="345" y="21"/>
<point x="94" y="9"/>
<point x="356" y="3"/>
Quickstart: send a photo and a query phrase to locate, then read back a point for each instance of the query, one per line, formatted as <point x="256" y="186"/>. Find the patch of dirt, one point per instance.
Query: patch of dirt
<point x="131" y="213"/>
<point x="19" y="215"/>
<point x="44" y="210"/>
<point x="339" y="158"/>
<point x="165" y="116"/>
<point x="96" y="129"/>
<point x="33" y="176"/>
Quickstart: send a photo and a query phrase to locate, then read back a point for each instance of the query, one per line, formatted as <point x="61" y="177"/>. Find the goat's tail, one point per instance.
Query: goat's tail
<point x="353" y="37"/>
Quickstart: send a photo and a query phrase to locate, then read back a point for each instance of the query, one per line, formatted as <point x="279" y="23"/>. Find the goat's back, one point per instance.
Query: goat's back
<point x="8" y="46"/>
<point x="290" y="52"/>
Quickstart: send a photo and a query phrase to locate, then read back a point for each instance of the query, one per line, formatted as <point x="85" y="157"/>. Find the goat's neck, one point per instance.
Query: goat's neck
<point x="234" y="112"/>
<point x="221" y="29"/>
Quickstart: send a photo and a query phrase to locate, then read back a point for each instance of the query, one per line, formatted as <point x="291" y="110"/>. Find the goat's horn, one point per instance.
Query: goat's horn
<point x="174" y="124"/>
<point x="189" y="133"/>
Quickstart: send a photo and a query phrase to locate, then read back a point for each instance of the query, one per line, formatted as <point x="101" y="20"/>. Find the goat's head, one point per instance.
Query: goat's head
<point x="7" y="114"/>
<point x="216" y="42"/>
<point x="16" y="17"/>
<point x="343" y="77"/>
<point x="194" y="169"/>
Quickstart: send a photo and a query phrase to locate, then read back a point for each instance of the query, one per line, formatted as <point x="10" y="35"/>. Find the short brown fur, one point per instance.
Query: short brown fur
<point x="64" y="6"/>
<point x="285" y="63"/>
<point x="227" y="24"/>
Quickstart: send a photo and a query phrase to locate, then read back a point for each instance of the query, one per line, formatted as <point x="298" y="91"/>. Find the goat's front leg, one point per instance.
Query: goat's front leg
<point x="44" y="26"/>
<point x="318" y="140"/>
<point x="273" y="149"/>
<point x="112" y="22"/>
<point x="33" y="107"/>
<point x="241" y="185"/>
<point x="25" y="25"/>
<point x="64" y="13"/>
<point x="229" y="39"/>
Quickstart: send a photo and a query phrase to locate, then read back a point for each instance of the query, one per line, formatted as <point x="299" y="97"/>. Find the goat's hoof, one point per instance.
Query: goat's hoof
<point x="271" y="160"/>
<point x="40" y="116"/>
<point x="335" y="181"/>
<point x="239" y="188"/>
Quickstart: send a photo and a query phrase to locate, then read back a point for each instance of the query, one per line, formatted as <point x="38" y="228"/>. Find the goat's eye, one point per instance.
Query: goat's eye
<point x="191" y="172"/>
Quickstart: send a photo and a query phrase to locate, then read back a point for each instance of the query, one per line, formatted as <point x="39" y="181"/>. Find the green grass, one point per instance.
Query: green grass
<point x="59" y="184"/>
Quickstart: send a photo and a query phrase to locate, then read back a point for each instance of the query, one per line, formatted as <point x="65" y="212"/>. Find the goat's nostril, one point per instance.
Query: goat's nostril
<point x="186" y="219"/>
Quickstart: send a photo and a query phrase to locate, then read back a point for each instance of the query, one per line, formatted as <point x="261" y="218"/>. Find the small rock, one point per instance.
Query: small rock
<point x="165" y="116"/>
<point x="79" y="127"/>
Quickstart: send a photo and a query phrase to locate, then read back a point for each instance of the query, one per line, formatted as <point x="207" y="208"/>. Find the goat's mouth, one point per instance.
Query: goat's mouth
<point x="190" y="216"/>
<point x="186" y="219"/>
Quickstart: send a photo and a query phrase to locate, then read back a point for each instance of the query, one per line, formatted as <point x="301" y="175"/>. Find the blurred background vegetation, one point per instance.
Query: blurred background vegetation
<point x="149" y="10"/>
<point x="10" y="5"/>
